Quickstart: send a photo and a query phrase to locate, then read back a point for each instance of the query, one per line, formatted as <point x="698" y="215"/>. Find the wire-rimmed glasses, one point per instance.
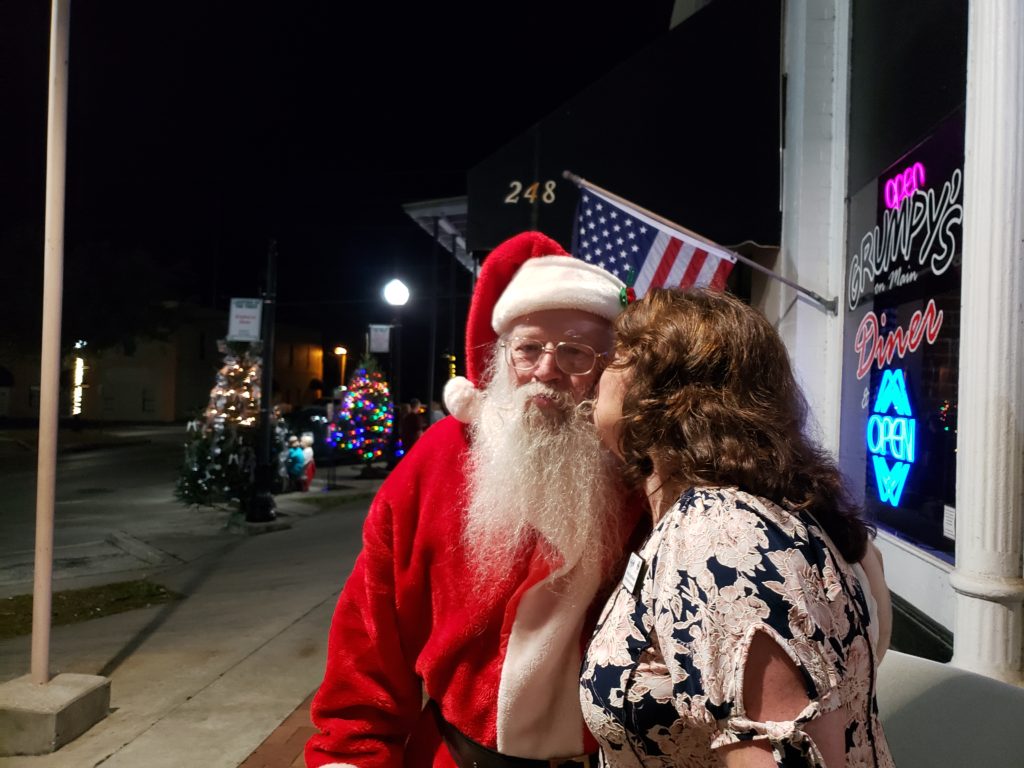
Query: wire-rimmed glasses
<point x="571" y="357"/>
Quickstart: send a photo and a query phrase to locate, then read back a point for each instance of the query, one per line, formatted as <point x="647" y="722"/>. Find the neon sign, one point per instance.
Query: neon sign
<point x="911" y="240"/>
<point x="874" y="349"/>
<point x="892" y="436"/>
<point x="903" y="185"/>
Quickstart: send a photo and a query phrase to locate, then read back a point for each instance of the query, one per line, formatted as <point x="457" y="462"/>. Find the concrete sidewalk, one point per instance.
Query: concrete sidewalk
<point x="285" y="746"/>
<point x="205" y="680"/>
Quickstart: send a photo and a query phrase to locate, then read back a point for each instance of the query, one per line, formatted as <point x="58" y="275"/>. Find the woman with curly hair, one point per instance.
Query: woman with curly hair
<point x="748" y="628"/>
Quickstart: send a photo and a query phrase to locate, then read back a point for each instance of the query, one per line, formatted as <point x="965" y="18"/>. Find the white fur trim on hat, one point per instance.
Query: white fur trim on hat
<point x="557" y="282"/>
<point x="462" y="399"/>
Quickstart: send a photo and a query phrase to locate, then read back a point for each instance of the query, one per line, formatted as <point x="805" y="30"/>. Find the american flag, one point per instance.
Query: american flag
<point x="618" y="239"/>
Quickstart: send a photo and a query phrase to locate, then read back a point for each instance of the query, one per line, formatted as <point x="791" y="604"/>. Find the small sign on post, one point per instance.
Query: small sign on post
<point x="380" y="338"/>
<point x="244" y="321"/>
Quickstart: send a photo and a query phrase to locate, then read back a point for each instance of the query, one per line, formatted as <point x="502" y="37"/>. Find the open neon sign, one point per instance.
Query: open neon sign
<point x="903" y="185"/>
<point x="892" y="436"/>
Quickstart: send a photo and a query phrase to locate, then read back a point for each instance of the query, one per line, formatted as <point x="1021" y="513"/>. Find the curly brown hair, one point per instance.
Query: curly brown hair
<point x="712" y="400"/>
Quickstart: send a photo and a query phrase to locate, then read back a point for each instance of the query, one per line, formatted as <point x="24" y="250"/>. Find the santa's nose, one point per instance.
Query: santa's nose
<point x="547" y="369"/>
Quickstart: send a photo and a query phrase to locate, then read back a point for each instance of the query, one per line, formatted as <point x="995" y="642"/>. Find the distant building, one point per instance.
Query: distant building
<point x="159" y="380"/>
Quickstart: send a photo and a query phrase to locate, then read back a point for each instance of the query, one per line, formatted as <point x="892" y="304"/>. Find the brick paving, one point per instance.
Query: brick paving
<point x="283" y="748"/>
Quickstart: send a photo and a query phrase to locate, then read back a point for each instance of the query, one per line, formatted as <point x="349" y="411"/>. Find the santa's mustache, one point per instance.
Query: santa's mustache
<point x="524" y="394"/>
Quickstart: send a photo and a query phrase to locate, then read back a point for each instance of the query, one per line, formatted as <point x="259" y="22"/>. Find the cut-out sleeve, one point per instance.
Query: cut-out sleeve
<point x="663" y="680"/>
<point x="731" y="568"/>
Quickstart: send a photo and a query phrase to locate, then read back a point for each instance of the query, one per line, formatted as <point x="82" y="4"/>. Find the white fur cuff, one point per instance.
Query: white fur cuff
<point x="462" y="399"/>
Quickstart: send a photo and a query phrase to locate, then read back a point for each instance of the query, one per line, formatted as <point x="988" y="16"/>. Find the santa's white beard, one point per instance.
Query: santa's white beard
<point x="538" y="475"/>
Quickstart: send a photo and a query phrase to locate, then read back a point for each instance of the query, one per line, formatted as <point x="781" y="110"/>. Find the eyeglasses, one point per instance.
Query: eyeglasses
<point x="571" y="357"/>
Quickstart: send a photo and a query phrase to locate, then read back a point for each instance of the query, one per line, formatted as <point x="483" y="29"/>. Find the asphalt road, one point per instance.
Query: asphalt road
<point x="97" y="491"/>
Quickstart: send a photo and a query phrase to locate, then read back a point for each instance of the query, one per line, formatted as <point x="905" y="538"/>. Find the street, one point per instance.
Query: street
<point x="124" y="491"/>
<point x="202" y="680"/>
<point x="97" y="490"/>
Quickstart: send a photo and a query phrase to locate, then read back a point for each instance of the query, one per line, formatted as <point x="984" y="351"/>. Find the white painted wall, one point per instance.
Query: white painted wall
<point x="816" y="64"/>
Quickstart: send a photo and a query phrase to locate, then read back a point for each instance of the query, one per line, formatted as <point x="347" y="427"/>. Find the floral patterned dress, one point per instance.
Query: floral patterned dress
<point x="662" y="679"/>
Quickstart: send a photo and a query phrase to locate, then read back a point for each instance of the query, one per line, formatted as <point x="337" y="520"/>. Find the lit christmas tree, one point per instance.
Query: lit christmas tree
<point x="366" y="418"/>
<point x="220" y="454"/>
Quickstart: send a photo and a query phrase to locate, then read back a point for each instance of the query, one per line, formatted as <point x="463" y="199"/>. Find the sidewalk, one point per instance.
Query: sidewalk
<point x="284" y="748"/>
<point x="206" y="680"/>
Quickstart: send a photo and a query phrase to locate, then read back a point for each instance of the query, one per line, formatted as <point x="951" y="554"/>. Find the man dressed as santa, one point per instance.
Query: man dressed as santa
<point x="457" y="639"/>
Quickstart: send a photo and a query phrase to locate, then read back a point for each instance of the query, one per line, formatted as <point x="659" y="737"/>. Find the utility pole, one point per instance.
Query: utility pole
<point x="261" y="507"/>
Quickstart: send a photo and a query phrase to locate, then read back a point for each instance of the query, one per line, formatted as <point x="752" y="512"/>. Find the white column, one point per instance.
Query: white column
<point x="816" y="62"/>
<point x="990" y="444"/>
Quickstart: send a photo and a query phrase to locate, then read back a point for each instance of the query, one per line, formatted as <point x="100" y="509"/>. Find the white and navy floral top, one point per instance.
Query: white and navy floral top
<point x="662" y="680"/>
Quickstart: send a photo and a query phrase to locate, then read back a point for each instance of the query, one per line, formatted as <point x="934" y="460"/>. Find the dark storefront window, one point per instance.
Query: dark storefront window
<point x="901" y="351"/>
<point x="905" y="184"/>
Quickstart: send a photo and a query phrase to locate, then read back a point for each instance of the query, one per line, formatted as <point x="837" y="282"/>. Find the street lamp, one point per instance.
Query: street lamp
<point x="396" y="293"/>
<point x="342" y="355"/>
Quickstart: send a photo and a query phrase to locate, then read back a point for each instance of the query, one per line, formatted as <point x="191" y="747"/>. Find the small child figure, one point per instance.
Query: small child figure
<point x="309" y="467"/>
<point x="295" y="464"/>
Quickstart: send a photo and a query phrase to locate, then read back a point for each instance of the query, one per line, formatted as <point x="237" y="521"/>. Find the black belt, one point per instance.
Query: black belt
<point x="470" y="754"/>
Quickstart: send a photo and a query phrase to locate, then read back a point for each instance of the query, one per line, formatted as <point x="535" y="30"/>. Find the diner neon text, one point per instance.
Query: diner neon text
<point x="875" y="349"/>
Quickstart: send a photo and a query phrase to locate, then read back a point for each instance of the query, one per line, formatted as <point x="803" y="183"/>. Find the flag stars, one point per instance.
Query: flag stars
<point x="619" y="241"/>
<point x="602" y="220"/>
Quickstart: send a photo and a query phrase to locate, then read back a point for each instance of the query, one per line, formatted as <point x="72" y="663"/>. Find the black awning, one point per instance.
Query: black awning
<point x="689" y="129"/>
<point x="446" y="217"/>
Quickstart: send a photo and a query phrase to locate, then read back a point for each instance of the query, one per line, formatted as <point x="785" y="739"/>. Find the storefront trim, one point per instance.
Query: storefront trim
<point x="918" y="577"/>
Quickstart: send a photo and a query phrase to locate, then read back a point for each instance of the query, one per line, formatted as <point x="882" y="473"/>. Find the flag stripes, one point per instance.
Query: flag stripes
<point x="630" y="244"/>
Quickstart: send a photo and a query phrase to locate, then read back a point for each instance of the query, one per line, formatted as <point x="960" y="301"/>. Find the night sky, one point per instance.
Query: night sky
<point x="199" y="130"/>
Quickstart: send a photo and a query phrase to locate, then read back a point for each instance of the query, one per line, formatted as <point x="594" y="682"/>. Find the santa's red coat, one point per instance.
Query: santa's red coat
<point x="502" y="661"/>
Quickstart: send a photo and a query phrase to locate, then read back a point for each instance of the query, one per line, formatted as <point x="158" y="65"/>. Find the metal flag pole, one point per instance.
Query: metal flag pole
<point x="830" y="305"/>
<point x="49" y="378"/>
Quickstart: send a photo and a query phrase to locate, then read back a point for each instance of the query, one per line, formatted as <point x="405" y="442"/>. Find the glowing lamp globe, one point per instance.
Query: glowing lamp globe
<point x="396" y="293"/>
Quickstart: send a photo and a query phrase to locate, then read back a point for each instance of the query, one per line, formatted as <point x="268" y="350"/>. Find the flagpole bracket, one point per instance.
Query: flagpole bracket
<point x="830" y="305"/>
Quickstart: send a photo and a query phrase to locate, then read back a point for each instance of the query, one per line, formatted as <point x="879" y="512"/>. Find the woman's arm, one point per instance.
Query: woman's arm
<point x="875" y="571"/>
<point x="773" y="690"/>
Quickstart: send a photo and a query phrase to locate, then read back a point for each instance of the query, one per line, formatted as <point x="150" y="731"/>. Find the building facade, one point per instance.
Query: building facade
<point x="902" y="179"/>
<point x="158" y="380"/>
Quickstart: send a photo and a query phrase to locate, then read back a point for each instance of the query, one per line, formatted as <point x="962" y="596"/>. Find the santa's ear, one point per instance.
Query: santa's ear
<point x="462" y="399"/>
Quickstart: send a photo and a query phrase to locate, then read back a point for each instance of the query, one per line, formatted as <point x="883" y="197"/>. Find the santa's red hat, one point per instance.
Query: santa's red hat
<point x="527" y="273"/>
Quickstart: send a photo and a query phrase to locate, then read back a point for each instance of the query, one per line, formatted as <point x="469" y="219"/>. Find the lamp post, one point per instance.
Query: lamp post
<point x="342" y="355"/>
<point x="396" y="293"/>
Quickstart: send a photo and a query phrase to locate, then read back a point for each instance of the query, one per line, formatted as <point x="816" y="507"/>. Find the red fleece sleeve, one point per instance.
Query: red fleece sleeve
<point x="371" y="697"/>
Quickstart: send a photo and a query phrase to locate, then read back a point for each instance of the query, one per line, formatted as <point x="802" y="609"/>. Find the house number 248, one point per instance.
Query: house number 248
<point x="517" y="192"/>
